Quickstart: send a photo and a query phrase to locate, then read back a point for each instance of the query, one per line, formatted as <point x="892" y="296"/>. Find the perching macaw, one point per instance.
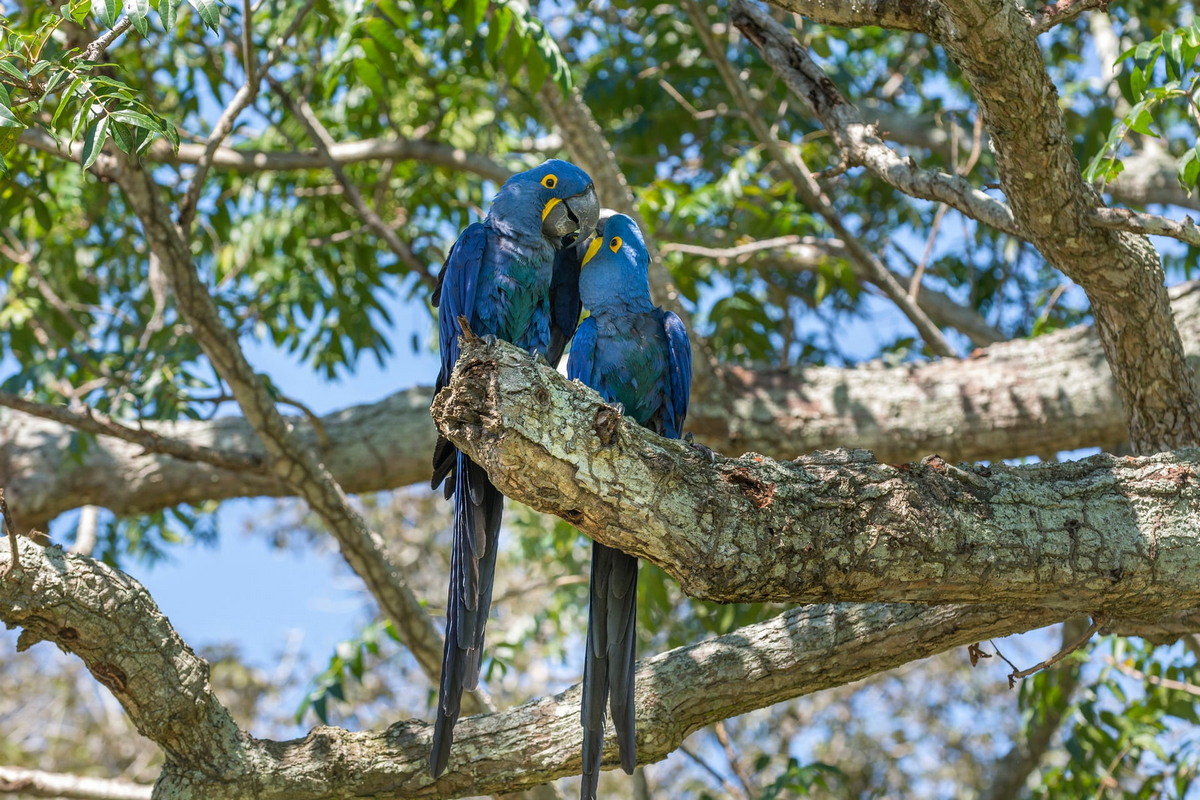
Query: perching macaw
<point x="633" y="353"/>
<point x="512" y="276"/>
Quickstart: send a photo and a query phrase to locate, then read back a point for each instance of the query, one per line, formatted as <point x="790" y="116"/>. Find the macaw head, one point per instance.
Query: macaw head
<point x="615" y="266"/>
<point x="556" y="198"/>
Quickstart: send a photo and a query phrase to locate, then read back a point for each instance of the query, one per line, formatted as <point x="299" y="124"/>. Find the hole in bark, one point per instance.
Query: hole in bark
<point x="758" y="492"/>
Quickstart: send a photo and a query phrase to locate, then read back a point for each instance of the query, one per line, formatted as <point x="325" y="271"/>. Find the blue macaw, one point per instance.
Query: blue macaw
<point x="513" y="276"/>
<point x="635" y="354"/>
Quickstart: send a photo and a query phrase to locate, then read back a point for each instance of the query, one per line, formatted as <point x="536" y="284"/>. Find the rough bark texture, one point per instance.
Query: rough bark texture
<point x="1106" y="534"/>
<point x="1009" y="400"/>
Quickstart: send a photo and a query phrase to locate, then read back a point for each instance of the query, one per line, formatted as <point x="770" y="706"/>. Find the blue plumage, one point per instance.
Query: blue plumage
<point x="512" y="276"/>
<point x="634" y="353"/>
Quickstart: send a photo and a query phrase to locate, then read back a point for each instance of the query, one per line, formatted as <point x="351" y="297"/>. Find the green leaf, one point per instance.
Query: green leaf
<point x="11" y="69"/>
<point x="137" y="11"/>
<point x="94" y="139"/>
<point x="1189" y="168"/>
<point x="8" y="119"/>
<point x="210" y="14"/>
<point x="105" y="12"/>
<point x="137" y="119"/>
<point x="1139" y="119"/>
<point x="167" y="11"/>
<point x="1174" y="50"/>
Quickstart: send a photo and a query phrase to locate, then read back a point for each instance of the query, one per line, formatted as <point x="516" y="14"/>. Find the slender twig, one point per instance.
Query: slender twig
<point x="1122" y="219"/>
<point x="729" y="788"/>
<point x="96" y="49"/>
<point x="734" y="764"/>
<point x="1017" y="674"/>
<point x="1064" y="11"/>
<point x="249" y="65"/>
<point x="94" y="422"/>
<point x="723" y="253"/>
<point x="811" y="193"/>
<point x="324" y="144"/>
<point x="14" y="566"/>
<point x="1153" y="680"/>
<point x="241" y="100"/>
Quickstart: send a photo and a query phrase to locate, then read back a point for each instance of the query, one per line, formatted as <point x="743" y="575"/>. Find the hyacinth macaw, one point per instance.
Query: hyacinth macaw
<point x="513" y="276"/>
<point x="635" y="354"/>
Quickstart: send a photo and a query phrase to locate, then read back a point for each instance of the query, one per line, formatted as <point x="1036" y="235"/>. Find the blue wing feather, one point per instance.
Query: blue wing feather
<point x="679" y="374"/>
<point x="583" y="353"/>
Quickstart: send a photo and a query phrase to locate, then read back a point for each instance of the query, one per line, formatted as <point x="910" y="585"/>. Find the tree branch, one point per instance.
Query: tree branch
<point x="991" y="41"/>
<point x="812" y="194"/>
<point x="303" y="112"/>
<point x="108" y="620"/>
<point x="250" y="161"/>
<point x="241" y="100"/>
<point x="92" y="421"/>
<point x="37" y="783"/>
<point x="1012" y="399"/>
<point x="1103" y="535"/>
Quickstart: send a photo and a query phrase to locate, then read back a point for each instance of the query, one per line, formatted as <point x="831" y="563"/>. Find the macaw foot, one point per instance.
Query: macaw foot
<point x="536" y="355"/>
<point x="489" y="339"/>
<point x="704" y="452"/>
<point x="620" y="407"/>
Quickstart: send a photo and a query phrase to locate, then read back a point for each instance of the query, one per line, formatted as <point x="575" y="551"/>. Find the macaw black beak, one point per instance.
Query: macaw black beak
<point x="573" y="216"/>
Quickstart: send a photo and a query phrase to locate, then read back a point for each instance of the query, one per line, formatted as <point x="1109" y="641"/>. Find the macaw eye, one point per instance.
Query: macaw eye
<point x="614" y="243"/>
<point x="550" y="181"/>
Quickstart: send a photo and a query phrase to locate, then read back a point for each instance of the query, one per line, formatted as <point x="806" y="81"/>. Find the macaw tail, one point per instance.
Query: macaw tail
<point x="478" y="507"/>
<point x="608" y="664"/>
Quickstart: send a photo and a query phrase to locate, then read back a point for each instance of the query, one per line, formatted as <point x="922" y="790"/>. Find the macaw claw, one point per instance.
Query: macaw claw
<point x="705" y="452"/>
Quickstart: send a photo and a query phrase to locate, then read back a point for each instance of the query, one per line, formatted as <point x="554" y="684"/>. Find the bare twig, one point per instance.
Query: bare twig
<point x="811" y="193"/>
<point x="1017" y="674"/>
<point x="731" y="756"/>
<point x="241" y="100"/>
<point x="14" y="566"/>
<point x="324" y="144"/>
<point x="1153" y="680"/>
<point x="1063" y="11"/>
<point x="94" y="422"/>
<point x="730" y="789"/>
<point x="1122" y="219"/>
<point x="95" y="50"/>
<point x="726" y="253"/>
<point x="859" y="142"/>
<point x="38" y="783"/>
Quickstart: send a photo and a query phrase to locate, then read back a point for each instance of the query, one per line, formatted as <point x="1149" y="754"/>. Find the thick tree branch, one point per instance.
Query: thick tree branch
<point x="1009" y="400"/>
<point x="1103" y="535"/>
<point x="37" y="783"/>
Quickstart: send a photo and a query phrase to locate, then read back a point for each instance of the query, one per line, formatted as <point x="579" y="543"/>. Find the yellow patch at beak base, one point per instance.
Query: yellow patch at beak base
<point x="545" y="211"/>
<point x="593" y="248"/>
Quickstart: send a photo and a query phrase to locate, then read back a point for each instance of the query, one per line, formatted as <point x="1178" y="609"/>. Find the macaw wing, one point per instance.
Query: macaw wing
<point x="679" y="374"/>
<point x="455" y="297"/>
<point x="565" y="303"/>
<point x="583" y="353"/>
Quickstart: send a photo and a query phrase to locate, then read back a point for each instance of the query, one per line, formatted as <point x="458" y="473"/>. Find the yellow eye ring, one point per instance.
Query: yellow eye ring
<point x="614" y="243"/>
<point x="550" y="181"/>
